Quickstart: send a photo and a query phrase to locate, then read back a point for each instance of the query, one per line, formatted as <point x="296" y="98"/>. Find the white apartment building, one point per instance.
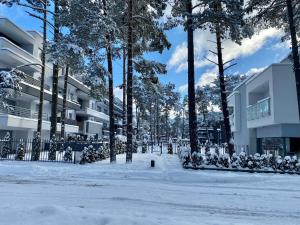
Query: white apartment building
<point x="84" y="115"/>
<point x="264" y="112"/>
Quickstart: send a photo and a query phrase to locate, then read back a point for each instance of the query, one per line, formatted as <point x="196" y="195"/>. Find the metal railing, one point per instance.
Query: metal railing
<point x="21" y="112"/>
<point x="30" y="80"/>
<point x="259" y="110"/>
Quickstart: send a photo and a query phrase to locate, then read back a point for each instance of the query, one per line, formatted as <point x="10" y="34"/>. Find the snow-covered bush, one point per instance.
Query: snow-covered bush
<point x="6" y="146"/>
<point x="68" y="154"/>
<point x="184" y="154"/>
<point x="243" y="162"/>
<point x="88" y="155"/>
<point x="36" y="147"/>
<point x="206" y="147"/>
<point x="217" y="150"/>
<point x="235" y="161"/>
<point x="224" y="160"/>
<point x="52" y="148"/>
<point x="197" y="159"/>
<point x="20" y="154"/>
<point x="211" y="158"/>
<point x="170" y="148"/>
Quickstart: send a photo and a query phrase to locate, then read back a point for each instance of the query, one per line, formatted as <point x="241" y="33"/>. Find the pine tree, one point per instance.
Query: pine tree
<point x="282" y="14"/>
<point x="225" y="18"/>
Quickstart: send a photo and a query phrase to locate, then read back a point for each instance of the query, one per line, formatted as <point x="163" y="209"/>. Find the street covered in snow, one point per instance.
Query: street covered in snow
<point x="101" y="193"/>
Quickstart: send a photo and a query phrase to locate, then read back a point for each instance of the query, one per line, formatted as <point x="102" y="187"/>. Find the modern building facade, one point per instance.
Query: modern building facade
<point x="85" y="115"/>
<point x="264" y="112"/>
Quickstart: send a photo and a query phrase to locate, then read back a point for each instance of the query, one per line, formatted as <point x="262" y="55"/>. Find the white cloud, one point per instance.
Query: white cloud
<point x="253" y="71"/>
<point x="118" y="92"/>
<point x="208" y="77"/>
<point x="183" y="88"/>
<point x="232" y="50"/>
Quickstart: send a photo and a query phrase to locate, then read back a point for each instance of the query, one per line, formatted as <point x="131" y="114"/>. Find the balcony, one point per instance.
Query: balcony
<point x="68" y="121"/>
<point x="21" y="112"/>
<point x="14" y="55"/>
<point x="94" y="113"/>
<point x="30" y="80"/>
<point x="259" y="110"/>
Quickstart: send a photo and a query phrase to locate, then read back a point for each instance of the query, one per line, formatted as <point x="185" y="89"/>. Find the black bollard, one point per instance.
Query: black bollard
<point x="152" y="163"/>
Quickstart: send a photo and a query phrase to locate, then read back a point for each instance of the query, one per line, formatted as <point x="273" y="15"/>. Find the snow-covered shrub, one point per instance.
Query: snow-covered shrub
<point x="206" y="147"/>
<point x="61" y="145"/>
<point x="170" y="148"/>
<point x="297" y="166"/>
<point x="265" y="160"/>
<point x="235" y="161"/>
<point x="217" y="150"/>
<point x="211" y="158"/>
<point x="89" y="155"/>
<point x="68" y="154"/>
<point x="243" y="160"/>
<point x="36" y="147"/>
<point x="101" y="153"/>
<point x="197" y="159"/>
<point x="293" y="163"/>
<point x="224" y="160"/>
<point x="20" y="154"/>
<point x="52" y="148"/>
<point x="184" y="154"/>
<point x="250" y="162"/>
<point x="6" y="146"/>
<point x="257" y="161"/>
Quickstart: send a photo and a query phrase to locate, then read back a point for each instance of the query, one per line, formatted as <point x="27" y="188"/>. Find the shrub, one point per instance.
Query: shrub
<point x="68" y="154"/>
<point x="197" y="159"/>
<point x="20" y="154"/>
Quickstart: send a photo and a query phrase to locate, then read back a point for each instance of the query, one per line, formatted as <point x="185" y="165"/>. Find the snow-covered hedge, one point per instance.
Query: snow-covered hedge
<point x="90" y="154"/>
<point x="238" y="161"/>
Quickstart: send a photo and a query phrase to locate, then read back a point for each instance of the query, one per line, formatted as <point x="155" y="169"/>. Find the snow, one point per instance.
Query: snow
<point x="127" y="194"/>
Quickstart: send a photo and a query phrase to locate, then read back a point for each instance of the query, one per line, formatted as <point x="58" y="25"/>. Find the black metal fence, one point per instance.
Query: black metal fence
<point x="18" y="149"/>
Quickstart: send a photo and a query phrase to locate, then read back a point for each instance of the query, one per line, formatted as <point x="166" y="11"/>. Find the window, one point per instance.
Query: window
<point x="70" y="116"/>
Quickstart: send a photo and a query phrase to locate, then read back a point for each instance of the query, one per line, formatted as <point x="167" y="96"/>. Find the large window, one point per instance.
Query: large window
<point x="274" y="146"/>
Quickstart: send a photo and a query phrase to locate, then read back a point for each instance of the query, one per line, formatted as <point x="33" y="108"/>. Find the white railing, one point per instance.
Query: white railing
<point x="21" y="112"/>
<point x="7" y="44"/>
<point x="259" y="110"/>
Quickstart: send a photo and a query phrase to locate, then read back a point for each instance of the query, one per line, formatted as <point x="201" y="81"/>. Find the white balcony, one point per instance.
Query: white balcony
<point x="259" y="110"/>
<point x="16" y="118"/>
<point x="13" y="56"/>
<point x="94" y="113"/>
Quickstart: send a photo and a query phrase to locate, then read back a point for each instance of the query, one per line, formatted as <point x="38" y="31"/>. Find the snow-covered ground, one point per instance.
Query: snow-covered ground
<point x="103" y="194"/>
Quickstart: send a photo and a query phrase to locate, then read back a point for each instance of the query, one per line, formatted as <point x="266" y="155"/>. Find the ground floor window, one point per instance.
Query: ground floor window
<point x="274" y="146"/>
<point x="279" y="146"/>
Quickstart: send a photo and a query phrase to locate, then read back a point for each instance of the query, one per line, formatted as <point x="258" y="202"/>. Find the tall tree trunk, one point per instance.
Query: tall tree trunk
<point x="294" y="49"/>
<point x="191" y="80"/>
<point x="111" y="107"/>
<point x="53" y="127"/>
<point x="137" y="120"/>
<point x="157" y="121"/>
<point x="223" y="92"/>
<point x="124" y="91"/>
<point x="37" y="149"/>
<point x="183" y="124"/>
<point x="64" y="109"/>
<point x="111" y="96"/>
<point x="129" y="85"/>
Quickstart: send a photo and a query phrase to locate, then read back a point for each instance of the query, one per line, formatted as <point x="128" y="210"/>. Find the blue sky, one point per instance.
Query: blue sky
<point x="252" y="56"/>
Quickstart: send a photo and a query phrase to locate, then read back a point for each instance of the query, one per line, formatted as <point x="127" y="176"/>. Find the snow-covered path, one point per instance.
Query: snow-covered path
<point x="104" y="194"/>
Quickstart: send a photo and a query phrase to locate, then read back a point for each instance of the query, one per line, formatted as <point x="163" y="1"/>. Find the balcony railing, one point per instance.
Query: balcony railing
<point x="68" y="121"/>
<point x="30" y="80"/>
<point x="259" y="110"/>
<point x="21" y="112"/>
